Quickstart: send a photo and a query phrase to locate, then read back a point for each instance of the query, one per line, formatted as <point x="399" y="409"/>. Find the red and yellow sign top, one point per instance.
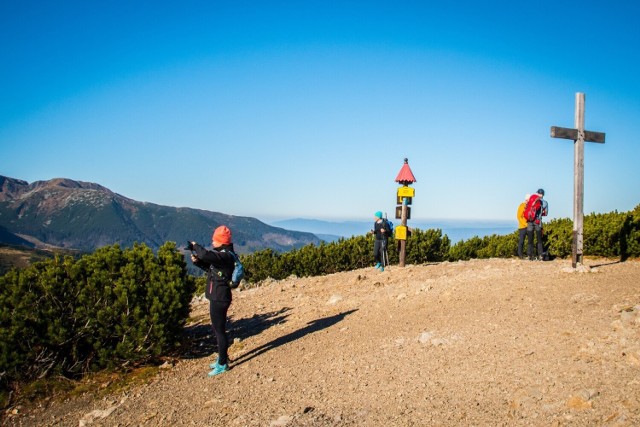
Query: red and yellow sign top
<point x="405" y="176"/>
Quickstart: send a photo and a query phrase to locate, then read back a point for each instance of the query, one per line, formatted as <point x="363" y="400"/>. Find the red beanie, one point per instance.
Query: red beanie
<point x="222" y="236"/>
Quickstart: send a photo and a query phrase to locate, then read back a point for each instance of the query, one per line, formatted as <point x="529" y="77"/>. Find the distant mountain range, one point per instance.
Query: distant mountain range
<point x="456" y="230"/>
<point x="326" y="230"/>
<point x="85" y="216"/>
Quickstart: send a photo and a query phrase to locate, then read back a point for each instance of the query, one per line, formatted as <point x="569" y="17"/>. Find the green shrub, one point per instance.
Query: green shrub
<point x="493" y="246"/>
<point x="558" y="235"/>
<point x="465" y="249"/>
<point x="427" y="246"/>
<point x="630" y="236"/>
<point x="109" y="308"/>
<point x="497" y="246"/>
<point x="342" y="255"/>
<point x="607" y="235"/>
<point x="602" y="234"/>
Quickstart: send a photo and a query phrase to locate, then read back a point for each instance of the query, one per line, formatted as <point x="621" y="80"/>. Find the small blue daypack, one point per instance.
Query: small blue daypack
<point x="238" y="271"/>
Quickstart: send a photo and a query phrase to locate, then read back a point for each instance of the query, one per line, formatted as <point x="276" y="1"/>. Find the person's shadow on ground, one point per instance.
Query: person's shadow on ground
<point x="313" y="326"/>
<point x="199" y="340"/>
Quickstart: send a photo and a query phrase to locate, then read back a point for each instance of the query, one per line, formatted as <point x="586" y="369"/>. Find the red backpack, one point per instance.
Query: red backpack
<point x="531" y="209"/>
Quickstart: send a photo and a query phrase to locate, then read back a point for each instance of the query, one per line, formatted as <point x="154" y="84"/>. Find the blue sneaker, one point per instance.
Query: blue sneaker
<point x="218" y="369"/>
<point x="214" y="365"/>
<point x="381" y="268"/>
<point x="377" y="265"/>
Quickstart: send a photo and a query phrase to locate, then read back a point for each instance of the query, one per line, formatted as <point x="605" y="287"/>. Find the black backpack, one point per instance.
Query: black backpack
<point x="389" y="226"/>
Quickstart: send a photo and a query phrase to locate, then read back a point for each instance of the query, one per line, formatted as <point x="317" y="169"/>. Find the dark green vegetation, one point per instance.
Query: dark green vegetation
<point x="112" y="308"/>
<point x="342" y="255"/>
<point x="612" y="235"/>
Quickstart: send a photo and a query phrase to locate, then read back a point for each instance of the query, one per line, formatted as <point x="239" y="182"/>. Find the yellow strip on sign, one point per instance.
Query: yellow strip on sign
<point x="401" y="232"/>
<point x="405" y="191"/>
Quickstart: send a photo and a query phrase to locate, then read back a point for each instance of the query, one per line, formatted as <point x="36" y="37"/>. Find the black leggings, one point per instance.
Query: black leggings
<point x="218" y="314"/>
<point x="379" y="248"/>
<point x="537" y="229"/>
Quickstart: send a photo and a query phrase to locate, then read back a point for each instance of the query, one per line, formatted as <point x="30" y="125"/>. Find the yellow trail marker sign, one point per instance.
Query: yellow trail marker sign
<point x="405" y="191"/>
<point x="401" y="232"/>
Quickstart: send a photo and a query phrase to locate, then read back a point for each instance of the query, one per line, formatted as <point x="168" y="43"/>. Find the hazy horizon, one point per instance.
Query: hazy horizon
<point x="455" y="229"/>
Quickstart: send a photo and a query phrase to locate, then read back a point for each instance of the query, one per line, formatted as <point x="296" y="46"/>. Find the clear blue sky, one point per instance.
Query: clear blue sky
<point x="286" y="109"/>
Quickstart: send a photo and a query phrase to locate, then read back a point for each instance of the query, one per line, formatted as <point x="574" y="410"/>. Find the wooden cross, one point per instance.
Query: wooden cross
<point x="579" y="136"/>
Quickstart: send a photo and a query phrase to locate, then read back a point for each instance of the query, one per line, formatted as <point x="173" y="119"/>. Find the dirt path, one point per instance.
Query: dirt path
<point x="486" y="342"/>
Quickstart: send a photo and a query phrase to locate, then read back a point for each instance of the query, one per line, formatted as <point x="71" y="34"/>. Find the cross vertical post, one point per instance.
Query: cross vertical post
<point x="578" y="183"/>
<point x="579" y="136"/>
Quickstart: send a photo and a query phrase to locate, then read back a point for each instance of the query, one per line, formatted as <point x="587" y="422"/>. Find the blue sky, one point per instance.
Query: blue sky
<point x="287" y="109"/>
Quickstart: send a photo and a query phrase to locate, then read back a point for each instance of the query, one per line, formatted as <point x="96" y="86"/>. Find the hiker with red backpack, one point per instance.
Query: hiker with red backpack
<point x="535" y="209"/>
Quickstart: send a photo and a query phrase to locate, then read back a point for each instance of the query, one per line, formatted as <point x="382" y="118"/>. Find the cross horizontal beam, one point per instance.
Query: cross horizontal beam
<point x="566" y="133"/>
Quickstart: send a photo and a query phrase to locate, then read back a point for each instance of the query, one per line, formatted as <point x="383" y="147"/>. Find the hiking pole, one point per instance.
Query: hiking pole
<point x="385" y="255"/>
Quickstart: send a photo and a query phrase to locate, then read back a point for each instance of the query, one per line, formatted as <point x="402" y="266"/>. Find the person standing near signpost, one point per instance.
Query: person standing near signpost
<point x="382" y="232"/>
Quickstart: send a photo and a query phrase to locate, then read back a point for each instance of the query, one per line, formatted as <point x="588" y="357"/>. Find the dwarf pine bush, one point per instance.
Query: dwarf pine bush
<point x="611" y="235"/>
<point x="342" y="255"/>
<point x="607" y="235"/>
<point x="67" y="316"/>
<point x="112" y="307"/>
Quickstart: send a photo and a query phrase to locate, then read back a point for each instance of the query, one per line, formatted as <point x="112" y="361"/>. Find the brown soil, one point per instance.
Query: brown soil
<point x="485" y="342"/>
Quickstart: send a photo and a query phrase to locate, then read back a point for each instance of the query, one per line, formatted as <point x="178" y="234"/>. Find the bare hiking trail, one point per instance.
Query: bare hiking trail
<point x="482" y="342"/>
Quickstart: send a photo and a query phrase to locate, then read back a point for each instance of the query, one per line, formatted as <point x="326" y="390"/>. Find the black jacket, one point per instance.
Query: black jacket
<point x="218" y="264"/>
<point x="378" y="226"/>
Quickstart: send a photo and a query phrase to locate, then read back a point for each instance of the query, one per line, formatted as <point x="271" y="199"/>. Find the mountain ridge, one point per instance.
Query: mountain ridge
<point x="82" y="215"/>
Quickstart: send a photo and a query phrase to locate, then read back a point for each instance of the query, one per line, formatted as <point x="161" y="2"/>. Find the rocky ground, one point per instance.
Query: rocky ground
<point x="484" y="342"/>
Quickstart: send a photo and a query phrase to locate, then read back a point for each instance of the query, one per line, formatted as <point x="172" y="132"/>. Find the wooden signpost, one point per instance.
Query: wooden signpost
<point x="404" y="195"/>
<point x="579" y="136"/>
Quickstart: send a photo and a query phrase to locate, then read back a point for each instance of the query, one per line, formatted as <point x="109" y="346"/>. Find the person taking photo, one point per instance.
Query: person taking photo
<point x="219" y="265"/>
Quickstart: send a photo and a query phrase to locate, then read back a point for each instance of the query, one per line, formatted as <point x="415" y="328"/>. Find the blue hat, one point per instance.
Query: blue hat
<point x="378" y="214"/>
